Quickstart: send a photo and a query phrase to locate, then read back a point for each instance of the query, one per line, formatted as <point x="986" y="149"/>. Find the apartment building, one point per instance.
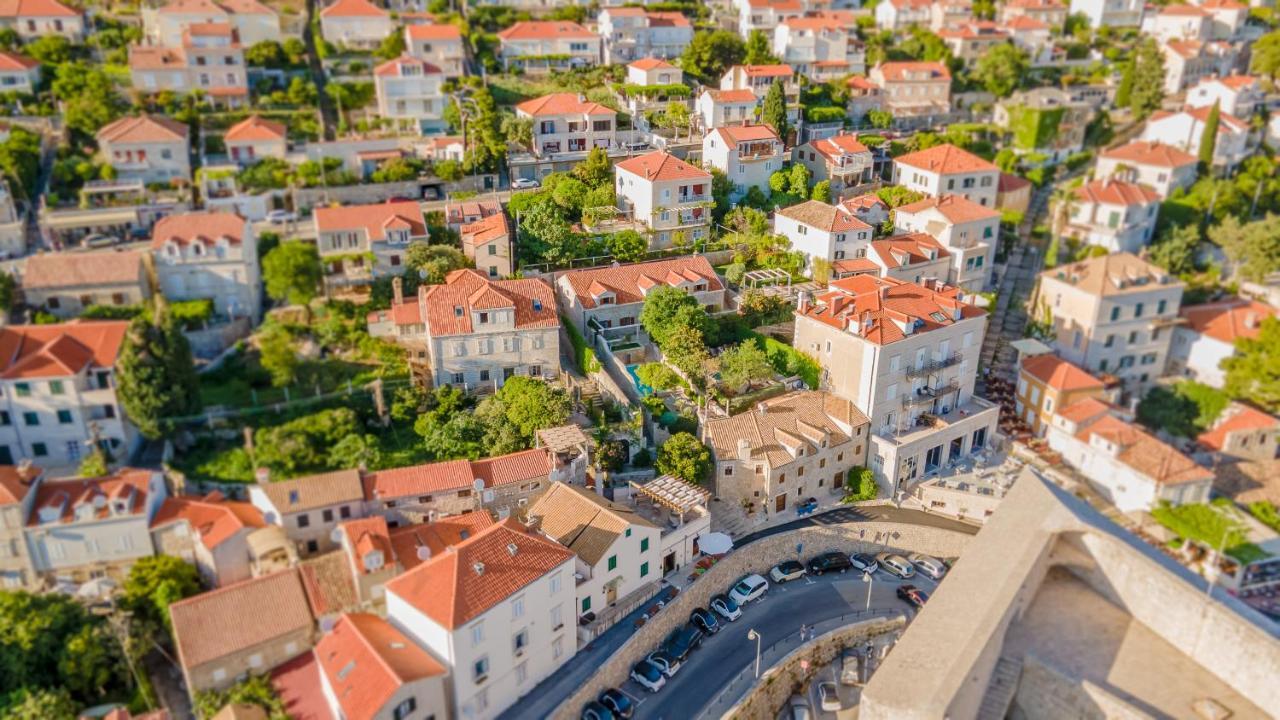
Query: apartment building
<point x="1208" y="335"/>
<point x="310" y="508"/>
<point x="948" y="170"/>
<point x="608" y="300"/>
<point x="914" y="258"/>
<point x="971" y="40"/>
<point x="1130" y="468"/>
<point x="1112" y="314"/>
<point x="253" y="21"/>
<point x="487" y="243"/>
<point x="64" y="284"/>
<point x="949" y="14"/>
<point x="1183" y="129"/>
<point x="18" y="484"/>
<point x="1238" y="95"/>
<point x="1035" y="38"/>
<point x="1229" y="19"/>
<point x="787" y="449"/>
<point x="542" y="45"/>
<point x="820" y="47"/>
<point x="210" y="60"/>
<point x="410" y="92"/>
<point x="466" y="212"/>
<point x="150" y="148"/>
<point x="256" y="138"/>
<point x="1067" y="115"/>
<point x="568" y="123"/>
<point x="1109" y="13"/>
<point x="970" y="232"/>
<point x="370" y="669"/>
<point x="1242" y="432"/>
<point x="1113" y="214"/>
<point x="669" y="197"/>
<point x="355" y="23"/>
<point x="1050" y="12"/>
<point x="33" y="19"/>
<point x="498" y="609"/>
<point x="1187" y="62"/>
<point x="631" y="33"/>
<point x="1178" y="22"/>
<point x="900" y="14"/>
<point x="1047" y="384"/>
<point x="360" y="243"/>
<point x="906" y="356"/>
<point x="718" y="108"/>
<point x="652" y="71"/>
<point x="913" y="89"/>
<point x="440" y="45"/>
<point x="759" y="78"/>
<point x="58" y="392"/>
<point x="1160" y="167"/>
<point x="209" y="532"/>
<point x="868" y="208"/>
<point x="823" y="231"/>
<point x="209" y="255"/>
<point x="93" y="527"/>
<point x="18" y="73"/>
<point x="840" y="160"/>
<point x="747" y="154"/>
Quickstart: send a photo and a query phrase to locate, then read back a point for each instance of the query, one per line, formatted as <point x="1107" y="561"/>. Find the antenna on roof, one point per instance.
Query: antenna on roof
<point x="478" y="567"/>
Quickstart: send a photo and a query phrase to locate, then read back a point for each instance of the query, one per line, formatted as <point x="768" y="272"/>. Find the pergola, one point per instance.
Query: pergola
<point x="673" y="493"/>
<point x="768" y="276"/>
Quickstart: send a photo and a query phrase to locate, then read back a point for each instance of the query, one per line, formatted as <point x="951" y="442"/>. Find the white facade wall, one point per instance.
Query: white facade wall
<point x="227" y="273"/>
<point x="1118" y="228"/>
<point x="155" y="162"/>
<point x="50" y="420"/>
<point x="1199" y="357"/>
<point x="635" y="558"/>
<point x="1109" y="13"/>
<point x="980" y="187"/>
<point x="357" y="32"/>
<point x="1164" y="180"/>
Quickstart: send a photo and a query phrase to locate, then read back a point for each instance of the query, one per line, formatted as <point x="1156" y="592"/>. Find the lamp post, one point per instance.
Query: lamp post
<point x="753" y="635"/>
<point x="866" y="578"/>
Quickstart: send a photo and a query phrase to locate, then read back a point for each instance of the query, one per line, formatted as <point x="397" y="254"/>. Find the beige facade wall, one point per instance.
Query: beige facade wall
<point x="16" y="571"/>
<point x="483" y="358"/>
<point x="777" y="490"/>
<point x="226" y="671"/>
<point x="71" y="301"/>
<point x="503" y="500"/>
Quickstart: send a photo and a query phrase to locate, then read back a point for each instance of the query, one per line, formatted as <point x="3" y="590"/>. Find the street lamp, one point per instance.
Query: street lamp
<point x="866" y="578"/>
<point x="753" y="635"/>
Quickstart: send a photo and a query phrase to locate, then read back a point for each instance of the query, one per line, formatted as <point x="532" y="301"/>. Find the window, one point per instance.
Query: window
<point x="39" y="449"/>
<point x="728" y="471"/>
<point x="555" y="584"/>
<point x="1137" y="310"/>
<point x="23" y="389"/>
<point x="557" y="648"/>
<point x="64" y="417"/>
<point x="1160" y="307"/>
<point x="304" y="520"/>
<point x="30" y="418"/>
<point x="520" y="641"/>
<point x="327" y="515"/>
<point x="1115" y="314"/>
<point x="644" y="544"/>
<point x="480" y="670"/>
<point x="344" y="512"/>
<point x="522" y="673"/>
<point x="586" y="604"/>
<point x="557" y="620"/>
<point x="404" y="709"/>
<point x="477" y="634"/>
<point x="56" y="387"/>
<point x="613" y="562"/>
<point x="517" y="607"/>
<point x="644" y="569"/>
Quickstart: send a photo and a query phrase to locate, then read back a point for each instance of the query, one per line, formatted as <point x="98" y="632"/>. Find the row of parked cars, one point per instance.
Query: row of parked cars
<point x="903" y="567"/>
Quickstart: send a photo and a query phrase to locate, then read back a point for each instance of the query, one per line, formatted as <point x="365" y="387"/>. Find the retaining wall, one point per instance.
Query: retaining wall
<point x="759" y="557"/>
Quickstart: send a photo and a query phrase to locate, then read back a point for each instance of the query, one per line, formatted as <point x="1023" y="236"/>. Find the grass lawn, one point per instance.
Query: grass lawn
<point x="236" y="389"/>
<point x="1209" y="525"/>
<point x="1185" y="409"/>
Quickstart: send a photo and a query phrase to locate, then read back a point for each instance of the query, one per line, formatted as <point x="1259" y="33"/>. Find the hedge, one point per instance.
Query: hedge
<point x="583" y="354"/>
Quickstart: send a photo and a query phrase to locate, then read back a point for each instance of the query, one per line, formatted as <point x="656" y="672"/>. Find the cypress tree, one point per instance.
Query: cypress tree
<point x="156" y="375"/>
<point x="1209" y="138"/>
<point x="774" y="113"/>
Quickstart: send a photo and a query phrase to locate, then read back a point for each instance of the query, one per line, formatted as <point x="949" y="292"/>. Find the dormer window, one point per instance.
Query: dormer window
<point x="537" y="306"/>
<point x="484" y="318"/>
<point x="457" y="311"/>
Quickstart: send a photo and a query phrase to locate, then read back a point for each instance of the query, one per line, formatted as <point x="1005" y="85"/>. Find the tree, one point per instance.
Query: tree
<point x="266" y="53"/>
<point x="432" y="263"/>
<point x="675" y="117"/>
<point x="276" y="355"/>
<point x="821" y="191"/>
<point x="20" y="161"/>
<point x="155" y="583"/>
<point x="1209" y="136"/>
<point x="711" y="53"/>
<point x="684" y="457"/>
<point x="156" y="375"/>
<point x="568" y="193"/>
<point x="799" y="180"/>
<point x="292" y="273"/>
<point x="758" y="50"/>
<point x="94" y="464"/>
<point x="356" y="451"/>
<point x="686" y="348"/>
<point x="50" y="49"/>
<point x="881" y="119"/>
<point x="1148" y="79"/>
<point x="1253" y="371"/>
<point x="254" y="690"/>
<point x="448" y="170"/>
<point x="660" y="315"/>
<point x="596" y="170"/>
<point x="532" y="405"/>
<point x="774" y="111"/>
<point x="1001" y="69"/>
<point x="545" y="233"/>
<point x="1124" y="92"/>
<point x="8" y="291"/>
<point x="1253" y="249"/>
<point x="1265" y="56"/>
<point x="399" y="169"/>
<point x="744" y="364"/>
<point x="628" y="246"/>
<point x="721" y="189"/>
<point x="304" y="444"/>
<point x="1175" y="251"/>
<point x="89" y="97"/>
<point x="657" y="376"/>
<point x="40" y="704"/>
<point x="391" y="47"/>
<point x="517" y="130"/>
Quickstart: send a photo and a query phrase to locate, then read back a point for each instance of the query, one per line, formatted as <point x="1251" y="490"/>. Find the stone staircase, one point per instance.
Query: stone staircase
<point x="1000" y="691"/>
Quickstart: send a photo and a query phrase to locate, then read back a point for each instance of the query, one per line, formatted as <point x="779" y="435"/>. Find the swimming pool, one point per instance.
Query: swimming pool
<point x="645" y="390"/>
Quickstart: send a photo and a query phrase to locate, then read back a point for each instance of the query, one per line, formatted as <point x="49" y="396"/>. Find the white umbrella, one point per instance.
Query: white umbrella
<point x="97" y="588"/>
<point x="715" y="543"/>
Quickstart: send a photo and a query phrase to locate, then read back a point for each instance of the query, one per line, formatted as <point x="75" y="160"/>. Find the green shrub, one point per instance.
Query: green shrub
<point x="192" y="314"/>
<point x="860" y="485"/>
<point x="583" y="354"/>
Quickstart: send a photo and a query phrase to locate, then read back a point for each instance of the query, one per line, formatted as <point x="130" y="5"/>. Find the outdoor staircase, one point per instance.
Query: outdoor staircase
<point x="999" y="695"/>
<point x="589" y="395"/>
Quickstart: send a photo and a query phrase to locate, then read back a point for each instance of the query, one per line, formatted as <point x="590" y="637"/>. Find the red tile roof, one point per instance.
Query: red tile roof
<point x="433" y="32"/>
<point x="1237" y="417"/>
<point x="449" y="306"/>
<point x="651" y="63"/>
<point x="213" y="518"/>
<point x="83" y="269"/>
<point x="546" y="30"/>
<point x="454" y="475"/>
<point x="128" y="486"/>
<point x="1228" y="320"/>
<point x="813" y="23"/>
<point x="36" y="9"/>
<point x="659" y="165"/>
<point x="255" y="129"/>
<point x="906" y="250"/>
<point x="1143" y="453"/>
<point x="143" y="129"/>
<point x="367" y="661"/>
<point x="375" y="219"/>
<point x="834" y="147"/>
<point x="1238" y="82"/>
<point x="628" y="282"/>
<point x="206" y="227"/>
<point x="298" y="685"/>
<point x="1084" y="410"/>
<point x="733" y="134"/>
<point x="365" y="536"/>
<point x="946" y="159"/>
<point x="1026" y="22"/>
<point x="911" y="71"/>
<point x="16" y="482"/>
<point x="13" y="62"/>
<point x="1056" y="373"/>
<point x="877" y="309"/>
<point x="765" y="70"/>
<point x="59" y="350"/>
<point x="472" y="577"/>
<point x="353" y="9"/>
<point x="1185" y="10"/>
<point x="211" y="8"/>
<point x="1110" y="191"/>
<point x="1143" y="152"/>
<point x="394" y="68"/>
<point x="1008" y="182"/>
<point x="493" y="227"/>
<point x="733" y="96"/>
<point x="415" y="544"/>
<point x="156" y="58"/>
<point x="825" y="217"/>
<point x="329" y="585"/>
<point x="955" y="208"/>
<point x="562" y="104"/>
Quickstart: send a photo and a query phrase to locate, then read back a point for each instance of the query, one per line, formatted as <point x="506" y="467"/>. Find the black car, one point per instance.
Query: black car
<point x="829" y="562"/>
<point x="682" y="641"/>
<point x="704" y="621"/>
<point x="596" y="711"/>
<point x="912" y="595"/>
<point x="618" y="702"/>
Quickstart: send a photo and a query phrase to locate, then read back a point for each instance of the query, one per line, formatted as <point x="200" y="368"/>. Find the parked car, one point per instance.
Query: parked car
<point x="787" y="571"/>
<point x="800" y="708"/>
<point x="850" y="668"/>
<point x="896" y="564"/>
<point x="98" y="240"/>
<point x="829" y="562"/>
<point x="682" y="641"/>
<point x="596" y="711"/>
<point x="280" y="217"/>
<point x="749" y="588"/>
<point x="669" y="665"/>
<point x="913" y="595"/>
<point x="648" y="675"/>
<point x="929" y="566"/>
<point x="807" y="506"/>
<point x="725" y="607"/>
<point x="828" y="700"/>
<point x="525" y="184"/>
<point x="863" y="562"/>
<point x="704" y="620"/>
<point x="618" y="702"/>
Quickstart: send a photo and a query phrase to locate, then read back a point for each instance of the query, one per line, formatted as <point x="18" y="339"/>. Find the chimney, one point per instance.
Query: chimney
<point x="397" y="289"/>
<point x="1251" y="320"/>
<point x="744" y="449"/>
<point x="802" y="301"/>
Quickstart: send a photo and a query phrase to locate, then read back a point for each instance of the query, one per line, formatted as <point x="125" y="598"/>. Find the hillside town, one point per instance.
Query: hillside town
<point x="804" y="359"/>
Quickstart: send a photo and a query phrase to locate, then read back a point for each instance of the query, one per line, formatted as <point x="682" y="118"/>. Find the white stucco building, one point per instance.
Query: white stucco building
<point x="1109" y="13"/>
<point x="823" y="231"/>
<point x="1208" y="335"/>
<point x="668" y="196"/>
<point x="1163" y="168"/>
<point x="209" y="255"/>
<point x="1114" y="214"/>
<point x="410" y="92"/>
<point x="969" y="231"/>
<point x="747" y="154"/>
<point x="631" y="33"/>
<point x="948" y="170"/>
<point x="149" y="148"/>
<point x="565" y="123"/>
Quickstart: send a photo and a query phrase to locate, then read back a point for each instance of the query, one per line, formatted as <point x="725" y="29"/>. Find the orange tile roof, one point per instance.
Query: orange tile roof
<point x="1143" y="453"/>
<point x="1186" y="10"/>
<point x="209" y="7"/>
<point x="946" y="159"/>
<point x="1236" y="417"/>
<point x="765" y="70"/>
<point x="314" y="491"/>
<point x="1036" y="4"/>
<point x="906" y="250"/>
<point x="1144" y="152"/>
<point x="59" y="350"/>
<point x="563" y="104"/>
<point x="659" y="165"/>
<point x="625" y="281"/>
<point x="328" y="583"/>
<point x="457" y="212"/>
<point x="156" y="58"/>
<point x="375" y="219"/>
<point x="493" y="227"/>
<point x="1056" y="373"/>
<point x="353" y="9"/>
<point x="905" y="71"/>
<point x="298" y="685"/>
<point x="1236" y="82"/>
<point x="454" y="475"/>
<point x="206" y="227"/>
<point x="1111" y="191"/>
<point x="128" y="485"/>
<point x="733" y="134"/>
<point x="16" y="482"/>
<point x="1008" y="182"/>
<point x="854" y="266"/>
<point x="1084" y="410"/>
<point x="449" y="306"/>
<point x="1112" y="274"/>
<point x="415" y="544"/>
<point x="83" y="269"/>
<point x="869" y="201"/>
<point x="825" y="217"/>
<point x="955" y="208"/>
<point x="213" y="518"/>
<point x="873" y="308"/>
<point x="975" y="31"/>
<point x="393" y="68"/>
<point x="473" y="576"/>
<point x="143" y="129"/>
<point x="367" y="661"/>
<point x="36" y="9"/>
<point x="1026" y="22"/>
<point x="255" y="129"/>
<point x="651" y="63"/>
<point x="733" y="96"/>
<point x="813" y="23"/>
<point x="223" y="622"/>
<point x="431" y="31"/>
<point x="1228" y="320"/>
<point x="13" y="62"/>
<point x="546" y="30"/>
<point x="368" y="535"/>
<point x="834" y="147"/>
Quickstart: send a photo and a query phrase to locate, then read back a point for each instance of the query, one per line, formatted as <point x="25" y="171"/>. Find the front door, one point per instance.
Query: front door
<point x="781" y="503"/>
<point x="611" y="593"/>
<point x="669" y="563"/>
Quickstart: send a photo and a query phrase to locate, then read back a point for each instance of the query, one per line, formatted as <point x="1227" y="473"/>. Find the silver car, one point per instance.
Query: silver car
<point x="929" y="566"/>
<point x="896" y="564"/>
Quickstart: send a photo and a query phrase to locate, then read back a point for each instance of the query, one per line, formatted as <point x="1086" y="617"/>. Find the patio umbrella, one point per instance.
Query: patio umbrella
<point x="715" y="543"/>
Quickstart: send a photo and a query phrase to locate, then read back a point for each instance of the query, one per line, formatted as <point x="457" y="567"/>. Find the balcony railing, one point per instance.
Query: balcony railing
<point x="927" y="395"/>
<point x="934" y="366"/>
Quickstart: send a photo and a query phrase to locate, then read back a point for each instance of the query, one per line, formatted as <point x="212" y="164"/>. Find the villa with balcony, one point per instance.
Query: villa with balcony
<point x="670" y="198"/>
<point x="359" y="243"/>
<point x="747" y="154"/>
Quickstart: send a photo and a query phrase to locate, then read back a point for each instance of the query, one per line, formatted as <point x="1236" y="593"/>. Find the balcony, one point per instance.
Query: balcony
<point x="934" y="366"/>
<point x="927" y="395"/>
<point x="974" y="410"/>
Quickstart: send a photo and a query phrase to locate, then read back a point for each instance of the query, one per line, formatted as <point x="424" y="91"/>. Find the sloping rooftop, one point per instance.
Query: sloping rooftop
<point x="955" y="208"/>
<point x="628" y="282"/>
<point x="1112" y="274"/>
<point x="885" y="310"/>
<point x="1228" y="320"/>
<point x="415" y="544"/>
<point x="315" y="491"/>
<point x="449" y="307"/>
<point x="230" y="620"/>
<point x="825" y="217"/>
<point x="367" y="661"/>
<point x="946" y="159"/>
<point x="659" y="166"/>
<point x="61" y="349"/>
<point x="583" y="521"/>
<point x="83" y="269"/>
<point x="1237" y="417"/>
<point x="804" y="417"/>
<point x="205" y="227"/>
<point x="452" y="475"/>
<point x="373" y="218"/>
<point x="1059" y="374"/>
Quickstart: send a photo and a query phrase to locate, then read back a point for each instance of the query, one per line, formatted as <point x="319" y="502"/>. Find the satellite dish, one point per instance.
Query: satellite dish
<point x="373" y="560"/>
<point x="422" y="273"/>
<point x="335" y="535"/>
<point x="327" y="623"/>
<point x="478" y="485"/>
<point x="424" y="553"/>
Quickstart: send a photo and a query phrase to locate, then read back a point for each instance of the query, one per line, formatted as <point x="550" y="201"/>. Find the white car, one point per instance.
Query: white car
<point x="725" y="607"/>
<point x="827" y="697"/>
<point x="749" y="588"/>
<point x="648" y="675"/>
<point x="280" y="217"/>
<point x="896" y="564"/>
<point x="525" y="184"/>
<point x="929" y="566"/>
<point x="787" y="571"/>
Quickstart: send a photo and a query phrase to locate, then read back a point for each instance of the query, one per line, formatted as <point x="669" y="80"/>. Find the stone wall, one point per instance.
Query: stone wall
<point x="1044" y="692"/>
<point x="758" y="557"/>
<point x="307" y="198"/>
<point x="791" y="673"/>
